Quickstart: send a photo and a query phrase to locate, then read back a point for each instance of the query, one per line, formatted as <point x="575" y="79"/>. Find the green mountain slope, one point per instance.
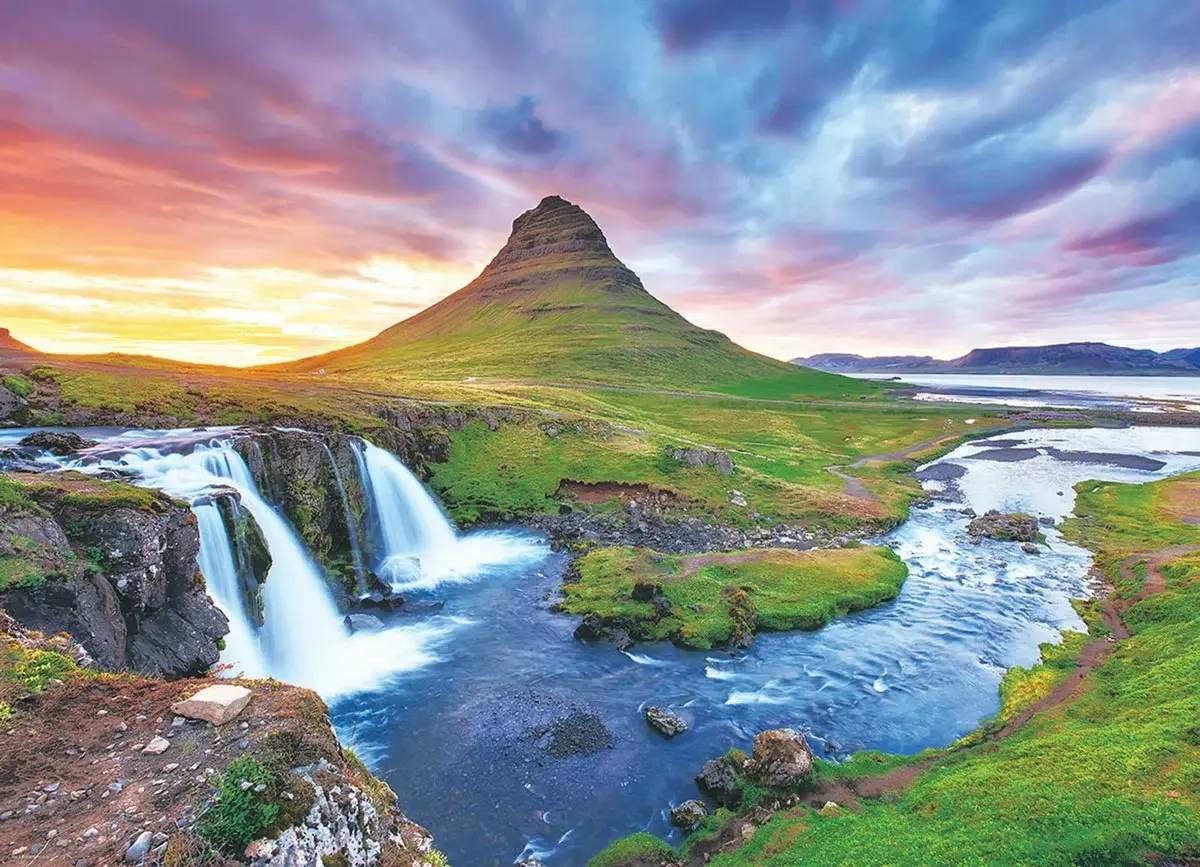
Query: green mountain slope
<point x="556" y="306"/>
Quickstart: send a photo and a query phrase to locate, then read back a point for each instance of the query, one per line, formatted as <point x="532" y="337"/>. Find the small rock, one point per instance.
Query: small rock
<point x="244" y="744"/>
<point x="159" y="838"/>
<point x="140" y="847"/>
<point x="737" y="498"/>
<point x="215" y="704"/>
<point x="665" y="722"/>
<point x="364" y="623"/>
<point x="1030" y="548"/>
<point x="90" y="833"/>
<point x="245" y="785"/>
<point x="157" y="746"/>
<point x="52" y="788"/>
<point x="718" y="779"/>
<point x="620" y="639"/>
<point x="51" y="834"/>
<point x="260" y="850"/>
<point x="170" y="767"/>
<point x="688" y="815"/>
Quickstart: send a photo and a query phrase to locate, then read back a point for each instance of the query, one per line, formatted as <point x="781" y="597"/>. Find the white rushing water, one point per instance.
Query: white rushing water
<point x="304" y="639"/>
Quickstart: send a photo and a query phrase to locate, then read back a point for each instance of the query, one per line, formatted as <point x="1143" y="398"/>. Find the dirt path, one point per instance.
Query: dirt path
<point x="854" y="487"/>
<point x="849" y="793"/>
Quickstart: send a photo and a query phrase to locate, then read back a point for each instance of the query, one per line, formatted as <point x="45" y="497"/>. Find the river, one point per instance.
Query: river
<point x="507" y="737"/>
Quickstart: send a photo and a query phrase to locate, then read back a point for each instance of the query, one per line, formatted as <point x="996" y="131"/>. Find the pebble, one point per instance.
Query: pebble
<point x="244" y="744"/>
<point x="140" y="847"/>
<point x="51" y="834"/>
<point x="141" y="717"/>
<point x="7" y="814"/>
<point x="171" y="767"/>
<point x="52" y="788"/>
<point x="20" y="850"/>
<point x="101" y="713"/>
<point x="244" y="785"/>
<point x="90" y="833"/>
<point x="159" y="838"/>
<point x="157" y="746"/>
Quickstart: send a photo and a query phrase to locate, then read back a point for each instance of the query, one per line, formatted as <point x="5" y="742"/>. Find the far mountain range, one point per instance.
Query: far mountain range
<point x="1091" y="359"/>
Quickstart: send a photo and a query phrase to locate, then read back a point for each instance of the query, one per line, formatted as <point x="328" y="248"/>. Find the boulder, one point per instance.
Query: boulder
<point x="157" y="746"/>
<point x="662" y="607"/>
<point x="61" y="443"/>
<point x="621" y="639"/>
<point x="781" y="759"/>
<point x="718" y="780"/>
<point x="737" y="498"/>
<point x="1030" y="548"/>
<point x="696" y="458"/>
<point x="1006" y="528"/>
<point x="216" y="704"/>
<point x="364" y="623"/>
<point x="644" y="591"/>
<point x="12" y="406"/>
<point x="665" y="722"/>
<point x="688" y="815"/>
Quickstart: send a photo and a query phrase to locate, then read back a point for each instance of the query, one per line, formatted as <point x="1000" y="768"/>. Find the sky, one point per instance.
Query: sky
<point x="245" y="182"/>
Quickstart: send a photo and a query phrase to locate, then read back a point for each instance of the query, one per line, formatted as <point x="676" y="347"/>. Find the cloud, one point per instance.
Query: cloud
<point x="791" y="172"/>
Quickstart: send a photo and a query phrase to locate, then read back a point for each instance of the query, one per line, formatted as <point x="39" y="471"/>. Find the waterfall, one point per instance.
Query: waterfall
<point x="217" y="564"/>
<point x="414" y="543"/>
<point x="303" y="639"/>
<point x="351" y="530"/>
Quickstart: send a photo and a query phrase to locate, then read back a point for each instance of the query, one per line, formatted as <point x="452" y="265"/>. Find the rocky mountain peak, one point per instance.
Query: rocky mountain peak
<point x="555" y="230"/>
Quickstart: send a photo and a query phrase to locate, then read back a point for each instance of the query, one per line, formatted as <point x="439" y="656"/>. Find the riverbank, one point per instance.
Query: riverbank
<point x="1094" y="763"/>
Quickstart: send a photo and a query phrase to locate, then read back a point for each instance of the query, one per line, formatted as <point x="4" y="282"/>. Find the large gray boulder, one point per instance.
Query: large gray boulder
<point x="1013" y="527"/>
<point x="718" y="779"/>
<point x="666" y="722"/>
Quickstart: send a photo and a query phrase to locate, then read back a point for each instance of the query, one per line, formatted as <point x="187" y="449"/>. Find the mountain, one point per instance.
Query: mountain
<point x="556" y="305"/>
<point x="10" y="344"/>
<point x="1060" y="358"/>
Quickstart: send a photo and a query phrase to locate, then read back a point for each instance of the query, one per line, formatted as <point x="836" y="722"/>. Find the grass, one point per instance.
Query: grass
<point x="18" y="384"/>
<point x="1024" y="687"/>
<point x="785" y="590"/>
<point x="240" y="813"/>
<point x="1104" y="780"/>
<point x="640" y="847"/>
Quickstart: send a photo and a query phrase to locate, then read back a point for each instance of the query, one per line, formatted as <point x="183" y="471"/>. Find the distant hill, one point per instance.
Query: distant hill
<point x="1059" y="358"/>
<point x="556" y="305"/>
<point x="10" y="344"/>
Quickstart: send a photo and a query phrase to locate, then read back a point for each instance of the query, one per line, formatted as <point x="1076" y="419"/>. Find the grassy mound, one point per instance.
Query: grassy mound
<point x="708" y="594"/>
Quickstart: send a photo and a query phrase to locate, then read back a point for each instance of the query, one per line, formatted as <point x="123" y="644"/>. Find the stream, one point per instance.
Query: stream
<point x="508" y="738"/>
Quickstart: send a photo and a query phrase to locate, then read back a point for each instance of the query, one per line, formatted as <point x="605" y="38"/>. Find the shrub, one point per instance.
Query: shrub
<point x="240" y="814"/>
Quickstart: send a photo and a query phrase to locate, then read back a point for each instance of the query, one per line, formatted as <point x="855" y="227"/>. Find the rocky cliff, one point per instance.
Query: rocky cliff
<point x="97" y="770"/>
<point x="110" y="564"/>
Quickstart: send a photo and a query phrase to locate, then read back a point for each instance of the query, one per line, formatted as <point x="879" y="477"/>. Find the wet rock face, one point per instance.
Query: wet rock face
<point x="122" y="581"/>
<point x="14" y="409"/>
<point x="688" y="815"/>
<point x="250" y="552"/>
<point x="59" y="443"/>
<point x="718" y="780"/>
<point x="666" y="722"/>
<point x="781" y="759"/>
<point x="1005" y="528"/>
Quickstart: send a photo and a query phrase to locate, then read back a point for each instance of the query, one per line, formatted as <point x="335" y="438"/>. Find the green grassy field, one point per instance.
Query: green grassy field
<point x="1109" y="778"/>
<point x="787" y="589"/>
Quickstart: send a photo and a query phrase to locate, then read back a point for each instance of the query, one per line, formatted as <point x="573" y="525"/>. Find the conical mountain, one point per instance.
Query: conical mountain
<point x="556" y="305"/>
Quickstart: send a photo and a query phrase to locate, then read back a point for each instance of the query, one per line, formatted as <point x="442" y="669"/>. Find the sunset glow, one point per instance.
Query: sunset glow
<point x="243" y="183"/>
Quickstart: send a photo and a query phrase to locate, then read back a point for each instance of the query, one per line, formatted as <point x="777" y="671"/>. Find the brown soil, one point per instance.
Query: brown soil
<point x="599" y="492"/>
<point x="64" y="753"/>
<point x="693" y="564"/>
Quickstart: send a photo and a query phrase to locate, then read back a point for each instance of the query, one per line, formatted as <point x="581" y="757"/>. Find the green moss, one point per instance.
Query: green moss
<point x="27" y="672"/>
<point x="713" y="596"/>
<point x="334" y="861"/>
<point x="634" y="850"/>
<point x="240" y="814"/>
<point x="377" y="790"/>
<point x="1023" y="687"/>
<point x="14" y="498"/>
<point x="18" y="385"/>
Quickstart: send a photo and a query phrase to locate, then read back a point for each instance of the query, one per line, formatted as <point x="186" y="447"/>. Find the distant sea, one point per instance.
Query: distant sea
<point x="1136" y="393"/>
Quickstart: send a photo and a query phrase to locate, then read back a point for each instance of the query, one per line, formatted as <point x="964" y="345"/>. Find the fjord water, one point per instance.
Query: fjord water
<point x="457" y="709"/>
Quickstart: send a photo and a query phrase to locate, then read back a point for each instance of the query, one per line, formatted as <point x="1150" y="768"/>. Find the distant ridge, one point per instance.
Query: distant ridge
<point x="10" y="344"/>
<point x="1080" y="359"/>
<point x="555" y="305"/>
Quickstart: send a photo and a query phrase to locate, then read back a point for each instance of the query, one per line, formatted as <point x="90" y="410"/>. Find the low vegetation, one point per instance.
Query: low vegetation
<point x="1110" y="777"/>
<point x="709" y="598"/>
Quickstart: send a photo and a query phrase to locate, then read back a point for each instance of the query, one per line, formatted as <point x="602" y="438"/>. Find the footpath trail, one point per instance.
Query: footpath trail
<point x="849" y="793"/>
<point x="853" y="487"/>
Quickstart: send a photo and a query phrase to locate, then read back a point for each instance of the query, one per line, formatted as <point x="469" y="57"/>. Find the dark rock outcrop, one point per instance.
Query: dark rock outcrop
<point x="61" y="443"/>
<point x="719" y="780"/>
<point x="250" y="552"/>
<point x="697" y="457"/>
<point x="688" y="815"/>
<point x="120" y="576"/>
<point x="1006" y="528"/>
